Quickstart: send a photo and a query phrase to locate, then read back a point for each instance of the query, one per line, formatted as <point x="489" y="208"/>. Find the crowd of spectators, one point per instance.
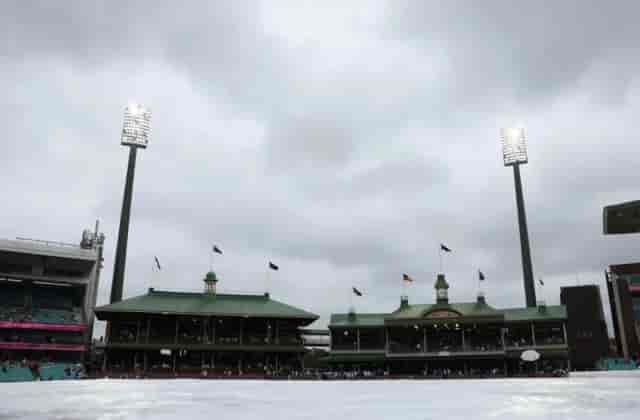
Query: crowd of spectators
<point x="23" y="314"/>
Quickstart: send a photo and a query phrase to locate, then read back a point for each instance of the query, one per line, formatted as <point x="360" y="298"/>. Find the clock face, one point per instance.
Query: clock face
<point x="442" y="293"/>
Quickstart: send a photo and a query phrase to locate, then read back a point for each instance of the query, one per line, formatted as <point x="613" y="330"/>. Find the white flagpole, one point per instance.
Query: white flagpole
<point x="152" y="273"/>
<point x="479" y="283"/>
<point x="268" y="278"/>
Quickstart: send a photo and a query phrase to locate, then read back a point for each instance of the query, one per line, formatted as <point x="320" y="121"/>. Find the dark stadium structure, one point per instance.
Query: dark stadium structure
<point x="211" y="334"/>
<point x="47" y="295"/>
<point x="586" y="326"/>
<point x="621" y="218"/>
<point x="451" y="339"/>
<point x="623" y="284"/>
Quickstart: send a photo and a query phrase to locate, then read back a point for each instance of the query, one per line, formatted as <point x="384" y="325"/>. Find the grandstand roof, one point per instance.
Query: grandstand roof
<point x="201" y="304"/>
<point x="52" y="249"/>
<point x="465" y="309"/>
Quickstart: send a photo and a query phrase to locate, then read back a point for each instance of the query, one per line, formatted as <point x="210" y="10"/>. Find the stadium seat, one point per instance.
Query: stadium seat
<point x="49" y="371"/>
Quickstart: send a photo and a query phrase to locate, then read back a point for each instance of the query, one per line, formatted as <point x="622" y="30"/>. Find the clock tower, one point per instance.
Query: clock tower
<point x="442" y="290"/>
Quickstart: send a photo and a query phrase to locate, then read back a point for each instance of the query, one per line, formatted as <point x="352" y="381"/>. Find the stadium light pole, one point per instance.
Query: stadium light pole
<point x="135" y="134"/>
<point x="514" y="151"/>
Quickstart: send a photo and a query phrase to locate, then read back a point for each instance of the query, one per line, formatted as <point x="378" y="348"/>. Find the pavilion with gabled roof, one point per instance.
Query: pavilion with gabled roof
<point x="452" y="337"/>
<point x="165" y="332"/>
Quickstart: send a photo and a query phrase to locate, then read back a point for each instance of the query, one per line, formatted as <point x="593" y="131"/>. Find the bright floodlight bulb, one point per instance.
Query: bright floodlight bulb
<point x="136" y="126"/>
<point x="514" y="148"/>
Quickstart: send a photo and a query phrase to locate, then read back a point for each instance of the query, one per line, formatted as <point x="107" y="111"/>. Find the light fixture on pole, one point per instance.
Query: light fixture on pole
<point x="514" y="152"/>
<point x="135" y="134"/>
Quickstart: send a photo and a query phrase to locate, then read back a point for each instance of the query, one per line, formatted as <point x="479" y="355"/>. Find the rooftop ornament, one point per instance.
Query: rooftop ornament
<point x="210" y="281"/>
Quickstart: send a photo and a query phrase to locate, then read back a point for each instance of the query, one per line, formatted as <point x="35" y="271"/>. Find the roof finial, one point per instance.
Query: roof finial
<point x="210" y="281"/>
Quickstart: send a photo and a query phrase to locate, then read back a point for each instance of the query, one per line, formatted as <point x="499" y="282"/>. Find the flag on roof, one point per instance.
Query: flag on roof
<point x="445" y="248"/>
<point x="407" y="278"/>
<point x="217" y="250"/>
<point x="357" y="292"/>
<point x="273" y="266"/>
<point x="157" y="263"/>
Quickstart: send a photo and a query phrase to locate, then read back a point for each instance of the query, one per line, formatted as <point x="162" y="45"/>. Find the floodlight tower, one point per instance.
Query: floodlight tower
<point x="135" y="134"/>
<point x="514" y="151"/>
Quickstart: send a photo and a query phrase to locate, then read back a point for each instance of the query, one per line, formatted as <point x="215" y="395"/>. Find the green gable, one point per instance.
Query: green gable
<point x="201" y="304"/>
<point x="467" y="309"/>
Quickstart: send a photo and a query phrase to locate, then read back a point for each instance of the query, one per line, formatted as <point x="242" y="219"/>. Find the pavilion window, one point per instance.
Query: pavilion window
<point x="288" y="333"/>
<point x="483" y="337"/>
<point x="226" y="361"/>
<point x="123" y="332"/>
<point x="344" y="339"/>
<point x="518" y="335"/>
<point x="372" y="339"/>
<point x="256" y="332"/>
<point x="162" y="330"/>
<point x="190" y="330"/>
<point x="254" y="362"/>
<point x="444" y="337"/>
<point x="187" y="360"/>
<point x="406" y="339"/>
<point x="228" y="331"/>
<point x="549" y="334"/>
<point x="159" y="361"/>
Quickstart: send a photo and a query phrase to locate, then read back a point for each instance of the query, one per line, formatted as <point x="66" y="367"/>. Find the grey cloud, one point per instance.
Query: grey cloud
<point x="312" y="141"/>
<point x="509" y="49"/>
<point x="347" y="156"/>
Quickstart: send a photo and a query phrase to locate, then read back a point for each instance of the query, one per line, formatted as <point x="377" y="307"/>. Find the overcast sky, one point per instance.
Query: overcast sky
<point x="342" y="140"/>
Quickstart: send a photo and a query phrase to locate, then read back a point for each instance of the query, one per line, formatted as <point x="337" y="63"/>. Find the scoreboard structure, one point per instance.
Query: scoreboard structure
<point x="621" y="218"/>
